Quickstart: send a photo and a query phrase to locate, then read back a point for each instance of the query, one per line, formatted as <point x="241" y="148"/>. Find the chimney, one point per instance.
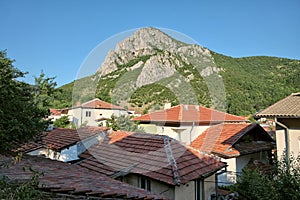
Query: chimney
<point x="167" y="106"/>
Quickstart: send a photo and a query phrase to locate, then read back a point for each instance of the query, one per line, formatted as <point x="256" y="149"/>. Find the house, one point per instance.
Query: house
<point x="286" y="114"/>
<point x="184" y="122"/>
<point x="237" y="144"/>
<point x="65" y="181"/>
<point x="93" y="112"/>
<point x="63" y="144"/>
<point x="157" y="163"/>
<point x="57" y="113"/>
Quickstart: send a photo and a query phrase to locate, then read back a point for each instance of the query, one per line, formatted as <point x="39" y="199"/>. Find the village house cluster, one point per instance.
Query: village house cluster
<point x="186" y="152"/>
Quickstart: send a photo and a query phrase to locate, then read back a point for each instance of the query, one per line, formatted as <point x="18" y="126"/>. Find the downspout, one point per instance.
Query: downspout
<point x="80" y="115"/>
<point x="286" y="138"/>
<point x="191" y="131"/>
<point x="216" y="180"/>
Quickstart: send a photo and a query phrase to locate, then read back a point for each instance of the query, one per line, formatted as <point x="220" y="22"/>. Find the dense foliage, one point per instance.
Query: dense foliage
<point x="123" y="123"/>
<point x="251" y="84"/>
<point x="284" y="183"/>
<point x="21" y="114"/>
<point x="63" y="122"/>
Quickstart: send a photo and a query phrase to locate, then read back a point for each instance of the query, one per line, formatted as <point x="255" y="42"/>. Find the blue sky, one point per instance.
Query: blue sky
<point x="57" y="36"/>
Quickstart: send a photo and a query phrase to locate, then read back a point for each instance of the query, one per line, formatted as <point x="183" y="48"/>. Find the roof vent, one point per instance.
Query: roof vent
<point x="197" y="108"/>
<point x="186" y="107"/>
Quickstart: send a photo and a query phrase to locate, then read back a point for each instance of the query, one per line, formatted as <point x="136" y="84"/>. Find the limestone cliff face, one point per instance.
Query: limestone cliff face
<point x="145" y="41"/>
<point x="165" y="56"/>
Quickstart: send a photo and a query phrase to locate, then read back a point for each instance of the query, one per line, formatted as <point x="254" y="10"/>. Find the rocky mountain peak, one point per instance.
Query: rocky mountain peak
<point x="145" y="41"/>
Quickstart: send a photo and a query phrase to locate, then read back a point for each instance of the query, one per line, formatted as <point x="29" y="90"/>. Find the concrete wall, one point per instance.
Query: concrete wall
<point x="209" y="187"/>
<point x="294" y="142"/>
<point x="186" y="191"/>
<point x="156" y="187"/>
<point x="183" y="192"/>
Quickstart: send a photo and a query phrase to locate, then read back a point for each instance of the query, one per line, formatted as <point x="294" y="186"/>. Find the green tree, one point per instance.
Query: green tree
<point x="123" y="123"/>
<point x="283" y="183"/>
<point x="44" y="91"/>
<point x="20" y="117"/>
<point x="63" y="122"/>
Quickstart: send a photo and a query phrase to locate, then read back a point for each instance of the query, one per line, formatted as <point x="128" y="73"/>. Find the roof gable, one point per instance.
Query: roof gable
<point x="233" y="139"/>
<point x="288" y="107"/>
<point x="99" y="104"/>
<point x="189" y="113"/>
<point x="145" y="154"/>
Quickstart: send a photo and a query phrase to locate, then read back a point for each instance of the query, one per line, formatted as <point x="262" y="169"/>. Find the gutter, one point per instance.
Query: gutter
<point x="287" y="146"/>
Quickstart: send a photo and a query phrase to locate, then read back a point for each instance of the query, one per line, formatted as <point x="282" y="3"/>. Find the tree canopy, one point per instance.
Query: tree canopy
<point x="123" y="123"/>
<point x="22" y="110"/>
<point x="283" y="183"/>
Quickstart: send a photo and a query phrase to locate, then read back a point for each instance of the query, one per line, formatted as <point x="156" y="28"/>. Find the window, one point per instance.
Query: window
<point x="145" y="184"/>
<point x="88" y="113"/>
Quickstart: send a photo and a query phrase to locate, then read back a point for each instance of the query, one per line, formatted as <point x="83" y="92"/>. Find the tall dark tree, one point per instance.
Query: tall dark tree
<point x="20" y="116"/>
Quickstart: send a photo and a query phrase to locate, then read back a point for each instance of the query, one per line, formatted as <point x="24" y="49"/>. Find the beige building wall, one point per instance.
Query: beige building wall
<point x="186" y="191"/>
<point x="209" y="186"/>
<point x="293" y="140"/>
<point x="156" y="186"/>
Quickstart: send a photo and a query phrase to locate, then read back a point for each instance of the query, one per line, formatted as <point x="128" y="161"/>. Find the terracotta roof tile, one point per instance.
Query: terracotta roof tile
<point x="99" y="104"/>
<point x="58" y="112"/>
<point x="287" y="107"/>
<point x="189" y="113"/>
<point x="60" y="138"/>
<point x="144" y="154"/>
<point x="118" y="135"/>
<point x="227" y="139"/>
<point x="74" y="180"/>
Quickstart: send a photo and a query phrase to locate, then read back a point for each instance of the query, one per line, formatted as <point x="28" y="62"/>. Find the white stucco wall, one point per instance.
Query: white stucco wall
<point x="79" y="115"/>
<point x="236" y="165"/>
<point x="183" y="133"/>
<point x="69" y="153"/>
<point x="65" y="155"/>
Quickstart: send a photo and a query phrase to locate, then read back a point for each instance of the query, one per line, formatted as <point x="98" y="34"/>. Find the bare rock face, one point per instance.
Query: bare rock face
<point x="145" y="41"/>
<point x="155" y="69"/>
<point x="165" y="55"/>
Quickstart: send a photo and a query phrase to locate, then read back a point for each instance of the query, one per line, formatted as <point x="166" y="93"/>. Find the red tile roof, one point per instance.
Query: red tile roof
<point x="60" y="138"/>
<point x="72" y="180"/>
<point x="144" y="154"/>
<point x="189" y="113"/>
<point x="58" y="112"/>
<point x="115" y="136"/>
<point x="288" y="107"/>
<point x="99" y="104"/>
<point x="229" y="139"/>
